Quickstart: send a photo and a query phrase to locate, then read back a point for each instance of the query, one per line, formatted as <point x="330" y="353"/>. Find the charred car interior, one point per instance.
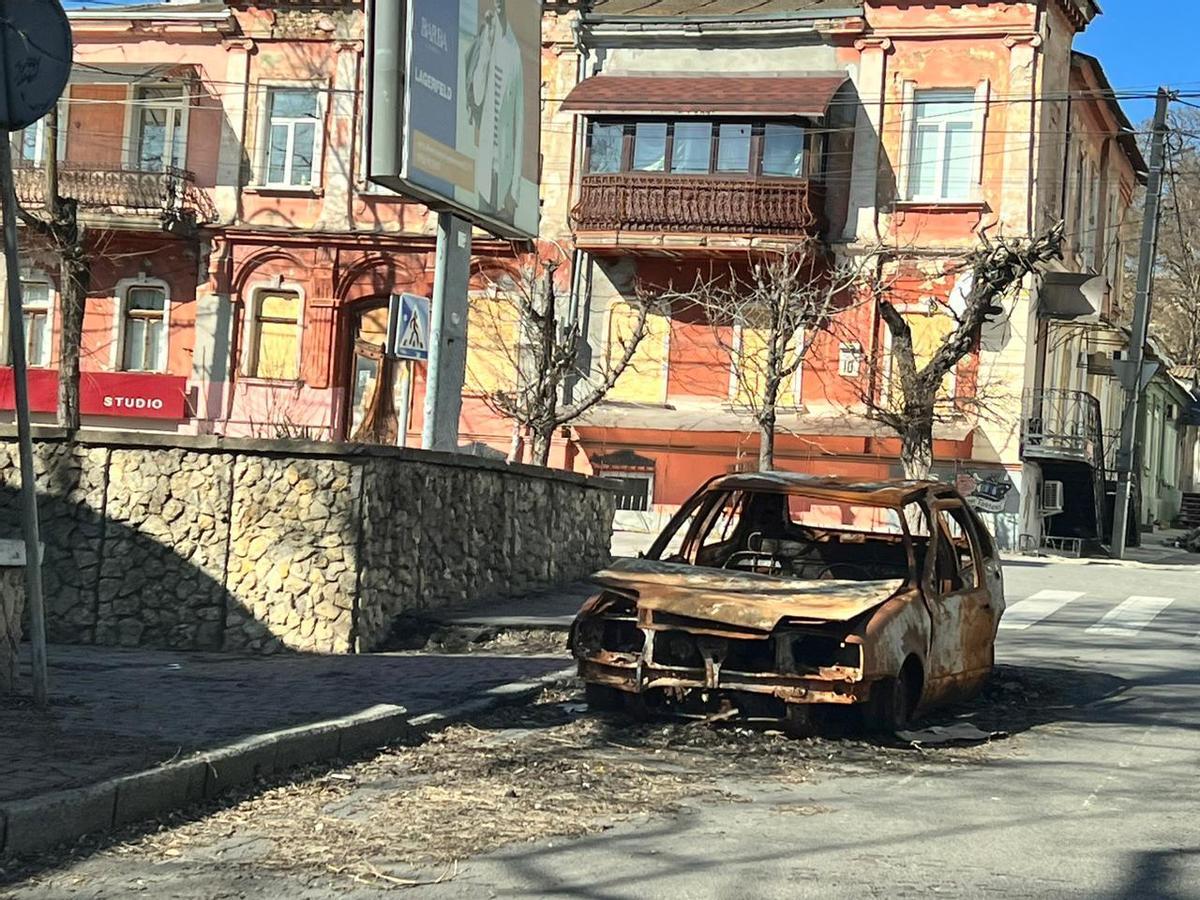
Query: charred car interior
<point x="771" y="595"/>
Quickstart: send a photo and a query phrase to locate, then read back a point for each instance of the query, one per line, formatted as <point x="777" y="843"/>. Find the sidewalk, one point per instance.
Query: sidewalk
<point x="205" y="722"/>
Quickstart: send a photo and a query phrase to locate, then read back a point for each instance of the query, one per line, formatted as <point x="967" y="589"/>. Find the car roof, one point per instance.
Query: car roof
<point x="873" y="493"/>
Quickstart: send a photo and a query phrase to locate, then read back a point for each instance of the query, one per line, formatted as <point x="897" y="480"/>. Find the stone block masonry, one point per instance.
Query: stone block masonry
<point x="201" y="543"/>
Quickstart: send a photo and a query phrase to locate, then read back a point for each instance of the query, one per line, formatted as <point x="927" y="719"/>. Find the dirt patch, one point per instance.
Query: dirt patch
<point x="428" y="636"/>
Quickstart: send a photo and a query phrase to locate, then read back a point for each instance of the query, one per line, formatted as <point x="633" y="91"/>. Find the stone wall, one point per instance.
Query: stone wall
<point x="203" y="543"/>
<point x="12" y="604"/>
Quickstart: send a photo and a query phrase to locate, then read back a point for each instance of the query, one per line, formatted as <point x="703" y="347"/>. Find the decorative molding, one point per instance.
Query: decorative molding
<point x="884" y="44"/>
<point x="1019" y="40"/>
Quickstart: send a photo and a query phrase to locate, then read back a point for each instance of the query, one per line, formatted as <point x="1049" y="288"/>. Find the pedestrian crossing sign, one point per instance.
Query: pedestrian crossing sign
<point x="408" y="327"/>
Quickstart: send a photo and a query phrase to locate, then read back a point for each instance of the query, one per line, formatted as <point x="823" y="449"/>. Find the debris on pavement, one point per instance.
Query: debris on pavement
<point x="959" y="733"/>
<point x="1189" y="541"/>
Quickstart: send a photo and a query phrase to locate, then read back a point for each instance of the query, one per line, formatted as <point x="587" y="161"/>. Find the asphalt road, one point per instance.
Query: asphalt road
<point x="1097" y="798"/>
<point x="1101" y="803"/>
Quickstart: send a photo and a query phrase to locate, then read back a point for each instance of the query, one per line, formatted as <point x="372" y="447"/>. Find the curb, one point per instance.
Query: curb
<point x="40" y="823"/>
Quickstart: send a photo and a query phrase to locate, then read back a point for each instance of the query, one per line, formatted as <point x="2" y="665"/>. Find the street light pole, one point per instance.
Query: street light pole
<point x="1133" y="381"/>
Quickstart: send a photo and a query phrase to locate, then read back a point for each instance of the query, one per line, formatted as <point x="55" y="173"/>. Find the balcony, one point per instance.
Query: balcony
<point x="122" y="198"/>
<point x="663" y="213"/>
<point x="1062" y="425"/>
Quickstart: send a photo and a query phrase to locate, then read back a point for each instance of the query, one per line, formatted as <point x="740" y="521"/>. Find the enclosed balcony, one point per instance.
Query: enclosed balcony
<point x="701" y="164"/>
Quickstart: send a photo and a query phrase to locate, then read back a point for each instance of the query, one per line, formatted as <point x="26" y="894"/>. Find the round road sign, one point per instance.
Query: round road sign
<point x="35" y="60"/>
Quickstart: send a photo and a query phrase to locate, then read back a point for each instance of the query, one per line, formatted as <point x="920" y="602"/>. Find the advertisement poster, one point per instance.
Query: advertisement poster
<point x="471" y="121"/>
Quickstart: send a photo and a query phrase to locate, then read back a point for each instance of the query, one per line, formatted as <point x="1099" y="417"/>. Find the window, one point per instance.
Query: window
<point x="292" y="119"/>
<point x="783" y="150"/>
<point x="850" y="360"/>
<point x="644" y="380"/>
<point x="275" y="338"/>
<point x="733" y="148"/>
<point x="606" y="148"/>
<point x="635" y="491"/>
<point x="780" y="148"/>
<point x="29" y="143"/>
<point x="144" y="329"/>
<point x="692" y="150"/>
<point x="159" y="140"/>
<point x="37" y="297"/>
<point x="956" y="562"/>
<point x="650" y="146"/>
<point x="943" y="146"/>
<point x="1091" y="237"/>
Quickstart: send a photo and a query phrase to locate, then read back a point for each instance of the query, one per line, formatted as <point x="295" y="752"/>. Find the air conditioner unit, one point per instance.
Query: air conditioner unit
<point x="1052" y="498"/>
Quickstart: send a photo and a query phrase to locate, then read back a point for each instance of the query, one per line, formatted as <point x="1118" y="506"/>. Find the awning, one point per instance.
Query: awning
<point x="700" y="95"/>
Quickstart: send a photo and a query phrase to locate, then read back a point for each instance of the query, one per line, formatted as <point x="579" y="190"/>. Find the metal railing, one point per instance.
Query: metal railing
<point x="170" y="193"/>
<point x="1062" y="425"/>
<point x="633" y="201"/>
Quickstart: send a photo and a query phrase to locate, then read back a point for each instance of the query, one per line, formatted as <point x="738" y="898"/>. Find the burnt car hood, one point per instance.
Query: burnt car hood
<point x="742" y="599"/>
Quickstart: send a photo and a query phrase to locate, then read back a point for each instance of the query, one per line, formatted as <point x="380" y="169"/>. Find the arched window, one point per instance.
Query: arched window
<point x="143" y="327"/>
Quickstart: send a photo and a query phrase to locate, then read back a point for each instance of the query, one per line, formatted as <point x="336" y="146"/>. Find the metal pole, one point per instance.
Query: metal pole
<point x="1141" y="326"/>
<point x="406" y="402"/>
<point x="448" y="335"/>
<point x="29" y="511"/>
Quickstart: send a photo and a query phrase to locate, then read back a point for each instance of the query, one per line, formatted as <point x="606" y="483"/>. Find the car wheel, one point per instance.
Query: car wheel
<point x="894" y="701"/>
<point x="602" y="698"/>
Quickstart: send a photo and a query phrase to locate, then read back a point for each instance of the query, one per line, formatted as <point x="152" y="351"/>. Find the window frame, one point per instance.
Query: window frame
<point x="250" y="331"/>
<point x="945" y="507"/>
<point x="123" y="287"/>
<point x="811" y="130"/>
<point x="133" y="122"/>
<point x="970" y="116"/>
<point x="796" y="399"/>
<point x="267" y="90"/>
<point x="35" y="276"/>
<point x="17" y="138"/>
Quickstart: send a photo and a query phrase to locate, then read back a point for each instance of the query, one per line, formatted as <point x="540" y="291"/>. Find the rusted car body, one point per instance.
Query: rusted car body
<point x="769" y="595"/>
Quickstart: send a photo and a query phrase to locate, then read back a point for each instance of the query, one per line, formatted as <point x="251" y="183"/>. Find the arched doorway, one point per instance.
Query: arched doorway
<point x="375" y="386"/>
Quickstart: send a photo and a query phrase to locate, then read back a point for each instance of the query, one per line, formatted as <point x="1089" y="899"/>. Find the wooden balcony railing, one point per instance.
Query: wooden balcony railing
<point x="634" y="201"/>
<point x="170" y="195"/>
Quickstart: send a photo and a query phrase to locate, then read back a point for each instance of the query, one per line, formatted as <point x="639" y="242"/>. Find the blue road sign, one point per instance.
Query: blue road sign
<point x="408" y="327"/>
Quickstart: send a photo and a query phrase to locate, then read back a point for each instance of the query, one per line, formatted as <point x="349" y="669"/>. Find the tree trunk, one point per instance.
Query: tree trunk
<point x="916" y="449"/>
<point x="516" y="446"/>
<point x="766" y="426"/>
<point x="75" y="277"/>
<point x="539" y="451"/>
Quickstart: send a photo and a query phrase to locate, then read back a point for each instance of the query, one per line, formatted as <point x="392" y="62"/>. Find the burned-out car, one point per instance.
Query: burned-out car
<point x="771" y="595"/>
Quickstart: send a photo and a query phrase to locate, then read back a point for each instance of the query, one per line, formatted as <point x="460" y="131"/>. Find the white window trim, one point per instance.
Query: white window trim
<point x="34" y="275"/>
<point x="666" y="349"/>
<point x="117" y="357"/>
<point x="248" y="362"/>
<point x="40" y="135"/>
<point x="263" y="133"/>
<point x="133" y="107"/>
<point x="797" y="391"/>
<point x="910" y="122"/>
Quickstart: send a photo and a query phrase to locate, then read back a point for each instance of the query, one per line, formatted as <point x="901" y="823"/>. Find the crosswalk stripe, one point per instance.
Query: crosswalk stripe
<point x="1036" y="607"/>
<point x="1132" y="615"/>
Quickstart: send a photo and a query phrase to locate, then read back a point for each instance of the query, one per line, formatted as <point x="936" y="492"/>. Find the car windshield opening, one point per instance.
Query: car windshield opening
<point x="807" y="537"/>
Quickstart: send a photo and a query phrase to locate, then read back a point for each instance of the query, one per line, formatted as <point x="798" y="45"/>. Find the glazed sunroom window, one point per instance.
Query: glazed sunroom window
<point x="781" y="148"/>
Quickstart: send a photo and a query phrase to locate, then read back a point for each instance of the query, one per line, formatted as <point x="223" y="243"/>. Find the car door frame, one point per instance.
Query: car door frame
<point x="962" y="640"/>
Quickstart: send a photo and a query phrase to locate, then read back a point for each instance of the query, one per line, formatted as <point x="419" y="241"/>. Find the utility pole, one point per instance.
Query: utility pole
<point x="1133" y="382"/>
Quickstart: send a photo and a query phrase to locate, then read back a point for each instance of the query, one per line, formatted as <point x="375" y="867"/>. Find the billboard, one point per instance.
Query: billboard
<point x="454" y="97"/>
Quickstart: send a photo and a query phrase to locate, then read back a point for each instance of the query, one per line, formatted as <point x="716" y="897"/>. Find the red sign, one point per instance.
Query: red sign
<point x="127" y="395"/>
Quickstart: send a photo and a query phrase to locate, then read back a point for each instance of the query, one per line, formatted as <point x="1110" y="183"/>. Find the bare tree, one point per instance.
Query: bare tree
<point x="907" y="396"/>
<point x="60" y="227"/>
<point x="1176" y="319"/>
<point x="766" y="316"/>
<point x="537" y="353"/>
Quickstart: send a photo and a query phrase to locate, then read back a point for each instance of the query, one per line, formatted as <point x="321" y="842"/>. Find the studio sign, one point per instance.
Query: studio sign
<point x="111" y="402"/>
